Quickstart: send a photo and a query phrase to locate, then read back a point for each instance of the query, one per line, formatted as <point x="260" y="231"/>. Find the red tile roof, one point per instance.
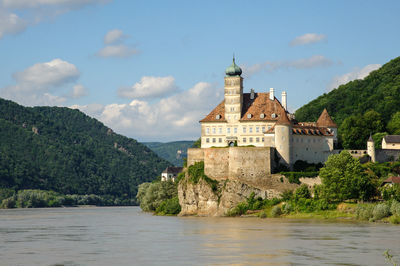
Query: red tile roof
<point x="325" y="120"/>
<point x="212" y="116"/>
<point x="393" y="179"/>
<point x="261" y="108"/>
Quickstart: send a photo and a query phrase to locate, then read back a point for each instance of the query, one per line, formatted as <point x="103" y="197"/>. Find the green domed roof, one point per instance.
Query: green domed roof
<point x="233" y="70"/>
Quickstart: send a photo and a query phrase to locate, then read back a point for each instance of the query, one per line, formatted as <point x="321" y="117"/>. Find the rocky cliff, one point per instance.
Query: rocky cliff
<point x="204" y="199"/>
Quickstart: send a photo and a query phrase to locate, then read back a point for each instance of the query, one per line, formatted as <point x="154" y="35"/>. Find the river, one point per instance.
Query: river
<point x="127" y="236"/>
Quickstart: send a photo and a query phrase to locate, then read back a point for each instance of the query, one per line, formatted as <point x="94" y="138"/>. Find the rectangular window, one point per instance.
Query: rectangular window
<point x="250" y="139"/>
<point x="244" y="129"/>
<point x="228" y="130"/>
<point x="214" y="140"/>
<point x="207" y="140"/>
<point x="235" y="130"/>
<point x="208" y="130"/>
<point x="220" y="130"/>
<point x="269" y="127"/>
<point x="250" y="130"/>
<point x="220" y="140"/>
<point x="213" y="130"/>
<point x="257" y="139"/>
<point x="263" y="129"/>
<point x="262" y="139"/>
<point x="257" y="129"/>
<point x="244" y="140"/>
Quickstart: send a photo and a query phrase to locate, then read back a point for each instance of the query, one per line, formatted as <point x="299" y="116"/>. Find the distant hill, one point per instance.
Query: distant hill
<point x="64" y="150"/>
<point x="173" y="152"/>
<point x="379" y="91"/>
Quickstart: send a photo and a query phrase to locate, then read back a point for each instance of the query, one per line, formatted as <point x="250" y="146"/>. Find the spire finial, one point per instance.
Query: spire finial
<point x="233" y="58"/>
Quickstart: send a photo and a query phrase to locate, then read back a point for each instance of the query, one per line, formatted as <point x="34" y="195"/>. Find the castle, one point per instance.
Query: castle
<point x="261" y="120"/>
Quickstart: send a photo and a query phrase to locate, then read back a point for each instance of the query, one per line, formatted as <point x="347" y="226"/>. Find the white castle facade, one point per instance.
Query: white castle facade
<point x="261" y="120"/>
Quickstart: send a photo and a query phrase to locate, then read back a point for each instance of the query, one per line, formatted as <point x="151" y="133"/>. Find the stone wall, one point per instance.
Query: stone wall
<point x="386" y="155"/>
<point x="234" y="163"/>
<point x="194" y="155"/>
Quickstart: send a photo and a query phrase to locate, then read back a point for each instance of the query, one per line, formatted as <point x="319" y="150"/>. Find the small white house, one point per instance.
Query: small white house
<point x="170" y="173"/>
<point x="391" y="142"/>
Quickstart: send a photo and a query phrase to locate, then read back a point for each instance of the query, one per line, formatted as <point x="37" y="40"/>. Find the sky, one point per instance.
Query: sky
<point x="150" y="70"/>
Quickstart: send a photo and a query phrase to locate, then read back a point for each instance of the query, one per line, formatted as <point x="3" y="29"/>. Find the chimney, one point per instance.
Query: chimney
<point x="252" y="94"/>
<point x="271" y="94"/>
<point x="284" y="100"/>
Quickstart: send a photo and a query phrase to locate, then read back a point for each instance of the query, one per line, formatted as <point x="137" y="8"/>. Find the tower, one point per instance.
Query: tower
<point x="371" y="149"/>
<point x="283" y="138"/>
<point x="233" y="93"/>
<point x="326" y="121"/>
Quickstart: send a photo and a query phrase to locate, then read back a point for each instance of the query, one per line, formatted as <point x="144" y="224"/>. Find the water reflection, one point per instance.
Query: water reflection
<point x="126" y="236"/>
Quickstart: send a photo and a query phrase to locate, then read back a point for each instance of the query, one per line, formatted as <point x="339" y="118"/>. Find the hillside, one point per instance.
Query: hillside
<point x="64" y="150"/>
<point x="379" y="91"/>
<point x="173" y="152"/>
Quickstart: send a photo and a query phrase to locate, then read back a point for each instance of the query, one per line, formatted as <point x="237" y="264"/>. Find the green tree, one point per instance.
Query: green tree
<point x="355" y="129"/>
<point x="151" y="195"/>
<point x="393" y="125"/>
<point x="377" y="137"/>
<point x="343" y="178"/>
<point x="197" y="143"/>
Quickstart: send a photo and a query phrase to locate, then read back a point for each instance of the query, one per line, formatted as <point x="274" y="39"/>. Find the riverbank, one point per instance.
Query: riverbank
<point x="35" y="198"/>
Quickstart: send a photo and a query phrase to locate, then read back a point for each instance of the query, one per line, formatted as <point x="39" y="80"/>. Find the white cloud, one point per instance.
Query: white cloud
<point x="357" y="73"/>
<point x="37" y="84"/>
<point x="121" y="51"/>
<point x="78" y="91"/>
<point x="42" y="76"/>
<point x="114" y="36"/>
<point x="171" y="118"/>
<point x="304" y="63"/>
<point x="150" y="87"/>
<point x="35" y="11"/>
<point x="307" y="38"/>
<point x="114" y="46"/>
<point x="10" y="23"/>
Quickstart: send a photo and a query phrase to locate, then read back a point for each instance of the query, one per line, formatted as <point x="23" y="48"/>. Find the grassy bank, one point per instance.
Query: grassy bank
<point x="304" y="207"/>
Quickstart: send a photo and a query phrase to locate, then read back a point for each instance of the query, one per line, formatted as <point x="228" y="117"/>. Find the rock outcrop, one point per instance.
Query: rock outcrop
<point x="200" y="199"/>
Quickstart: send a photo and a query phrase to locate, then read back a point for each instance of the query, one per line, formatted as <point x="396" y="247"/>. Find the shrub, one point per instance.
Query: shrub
<point x="380" y="211"/>
<point x="8" y="203"/>
<point x="287" y="208"/>
<point x="276" y="211"/>
<point x="395" y="208"/>
<point x="394" y="219"/>
<point x="169" y="207"/>
<point x="364" y="212"/>
<point x="391" y="192"/>
<point x="240" y="209"/>
<point x="262" y="215"/>
<point x="287" y="195"/>
<point x="196" y="172"/>
<point x="302" y="192"/>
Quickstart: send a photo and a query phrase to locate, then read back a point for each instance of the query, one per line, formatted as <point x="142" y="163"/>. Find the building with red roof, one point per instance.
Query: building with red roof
<point x="259" y="119"/>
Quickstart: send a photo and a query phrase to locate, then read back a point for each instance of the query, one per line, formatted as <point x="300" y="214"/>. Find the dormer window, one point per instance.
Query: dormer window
<point x="218" y="117"/>
<point x="249" y="115"/>
<point x="274" y="115"/>
<point x="262" y="115"/>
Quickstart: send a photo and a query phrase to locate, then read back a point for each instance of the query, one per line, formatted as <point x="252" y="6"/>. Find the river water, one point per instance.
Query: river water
<point x="127" y="236"/>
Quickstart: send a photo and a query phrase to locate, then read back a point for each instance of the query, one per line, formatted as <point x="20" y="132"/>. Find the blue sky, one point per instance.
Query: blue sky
<point x="152" y="69"/>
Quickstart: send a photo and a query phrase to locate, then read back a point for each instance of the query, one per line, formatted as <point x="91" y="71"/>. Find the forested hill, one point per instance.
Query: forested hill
<point x="174" y="152"/>
<point x="64" y="150"/>
<point x="379" y="91"/>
